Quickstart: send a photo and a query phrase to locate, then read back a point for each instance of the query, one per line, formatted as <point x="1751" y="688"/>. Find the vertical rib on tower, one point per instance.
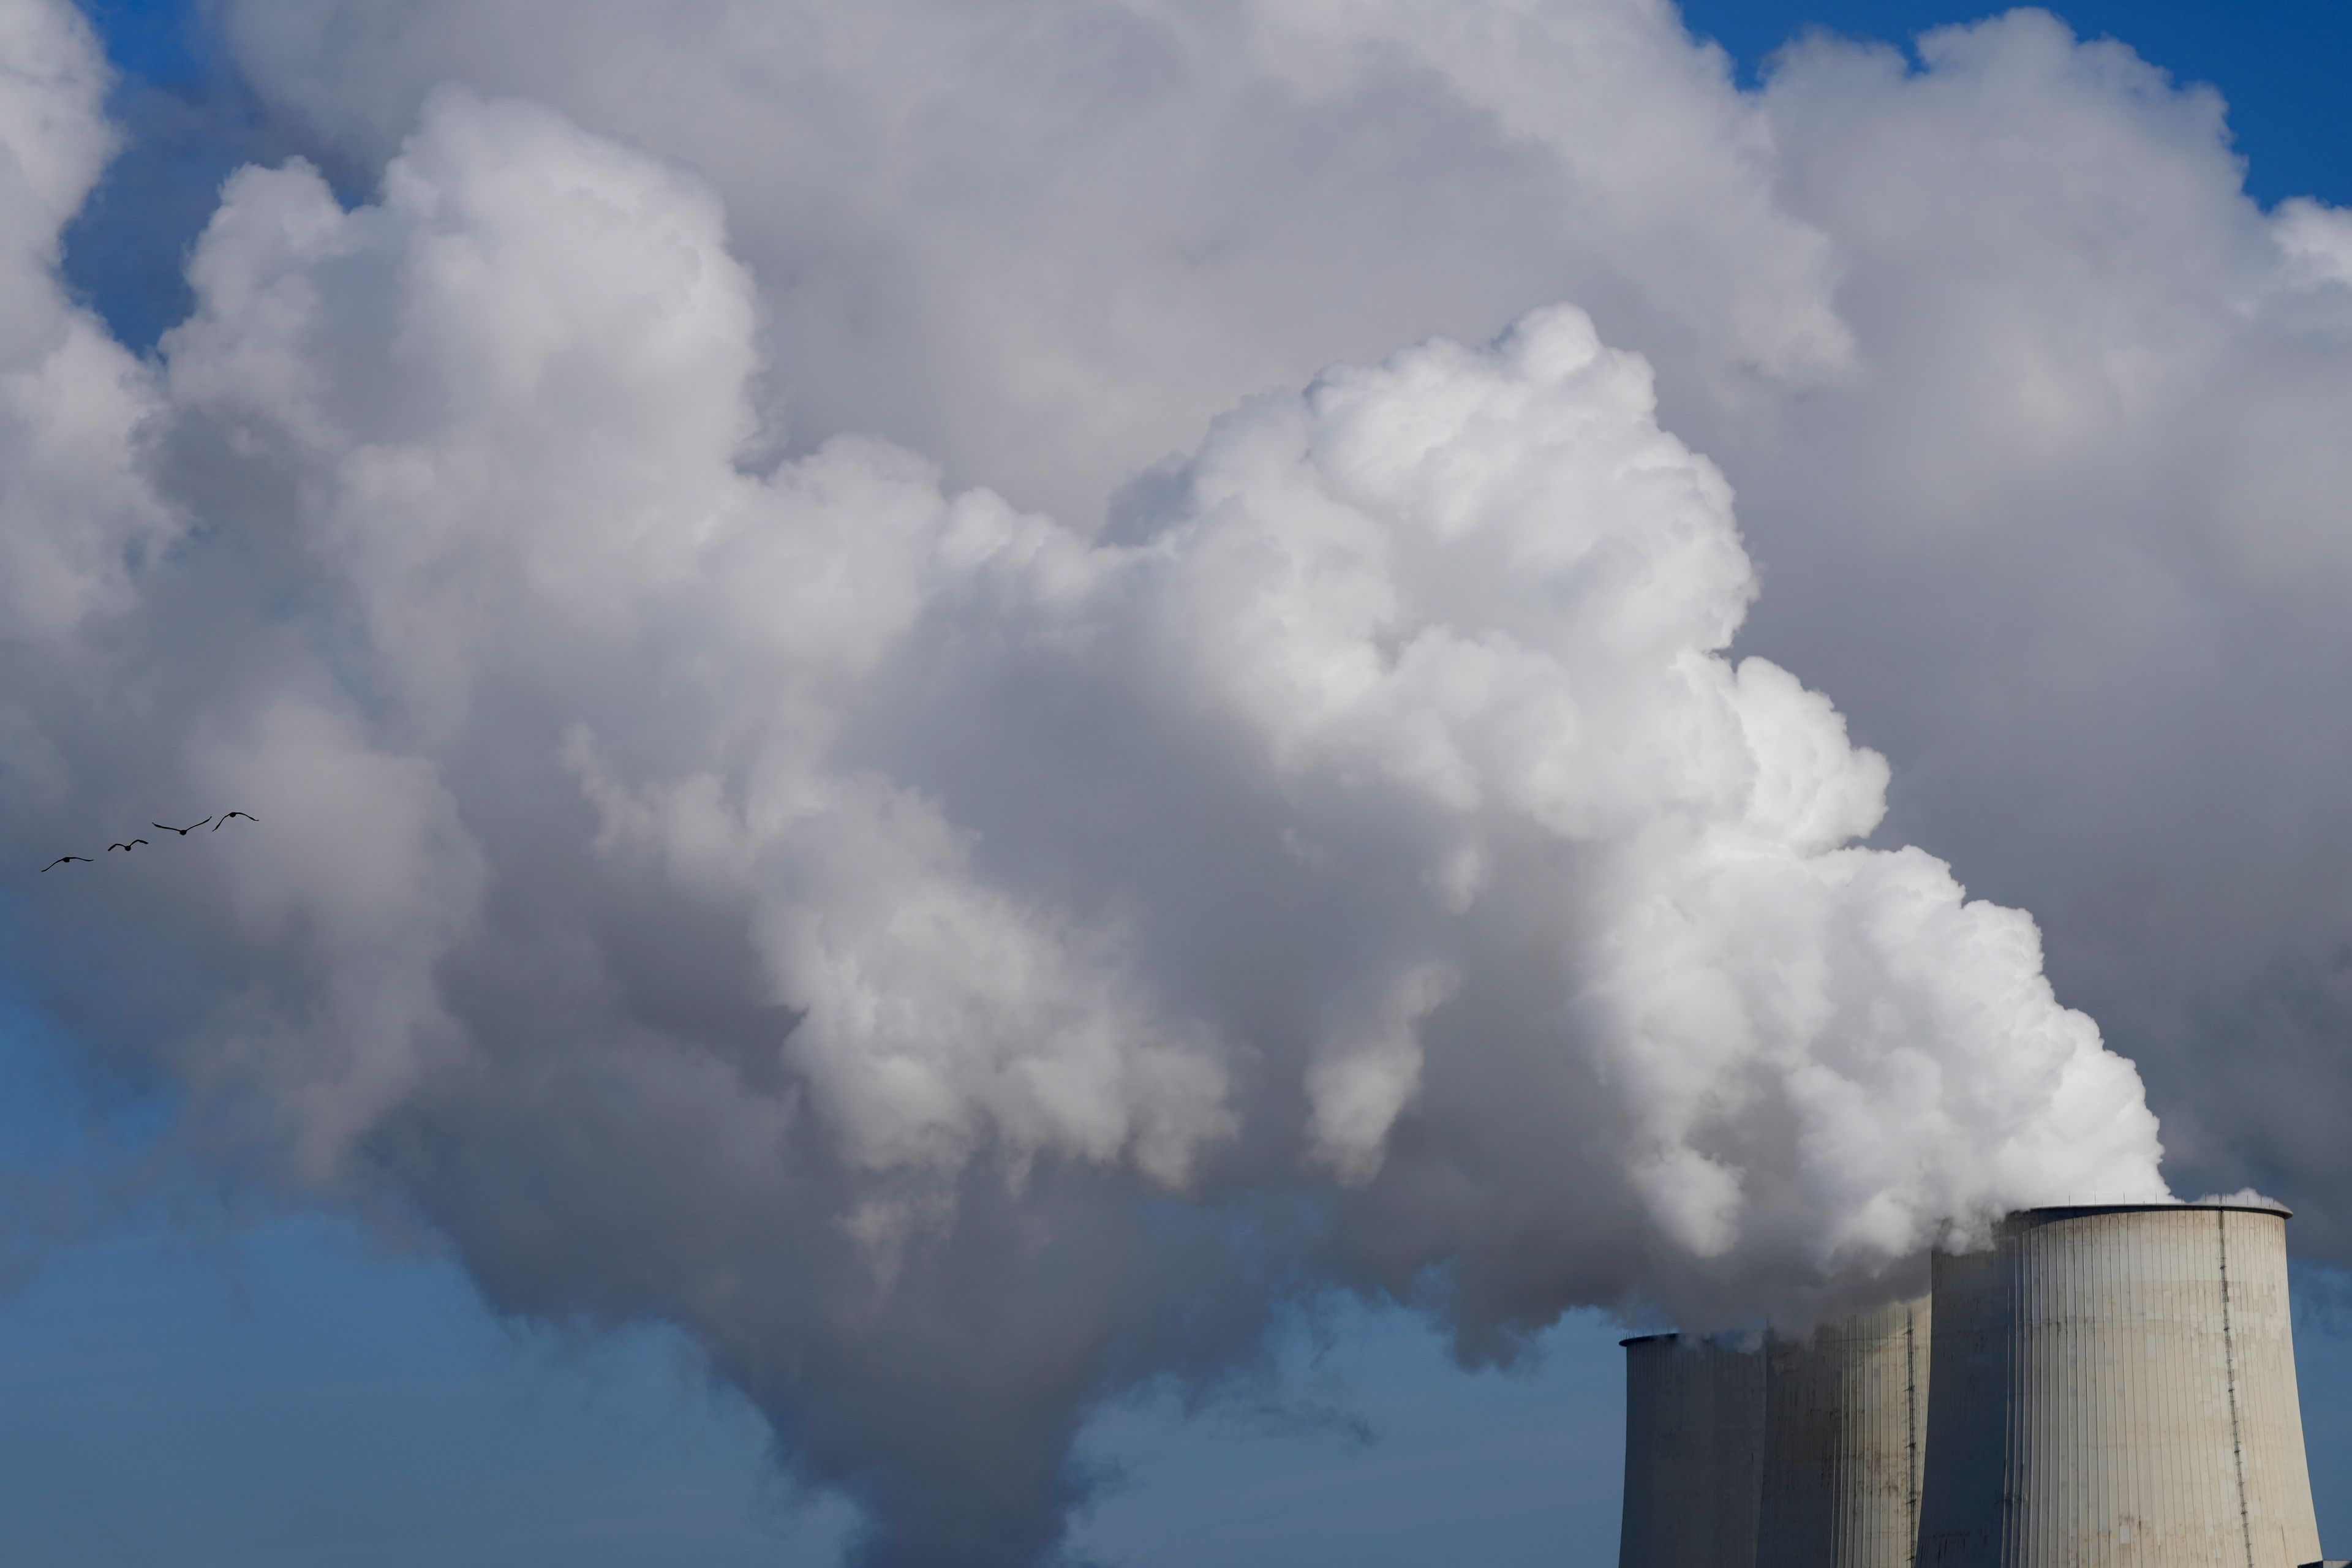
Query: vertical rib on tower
<point x="1694" y="1452"/>
<point x="2115" y="1386"/>
<point x="1846" y="1429"/>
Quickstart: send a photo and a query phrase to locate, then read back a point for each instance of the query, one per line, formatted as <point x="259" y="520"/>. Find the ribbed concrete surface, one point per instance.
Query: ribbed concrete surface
<point x="1694" y="1454"/>
<point x="1845" y="1425"/>
<point x="2115" y="1388"/>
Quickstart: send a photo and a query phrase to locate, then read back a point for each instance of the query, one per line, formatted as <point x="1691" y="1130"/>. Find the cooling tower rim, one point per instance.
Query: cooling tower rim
<point x="1650" y="1338"/>
<point x="2088" y="1211"/>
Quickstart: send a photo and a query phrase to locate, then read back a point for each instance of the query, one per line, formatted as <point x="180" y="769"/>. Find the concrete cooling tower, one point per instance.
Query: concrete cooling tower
<point x="2115" y="1386"/>
<point x="1694" y="1454"/>
<point x="1846" y="1429"/>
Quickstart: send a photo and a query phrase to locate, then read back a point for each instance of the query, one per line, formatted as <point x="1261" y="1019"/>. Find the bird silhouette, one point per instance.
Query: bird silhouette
<point x="216" y="827"/>
<point x="183" y="832"/>
<point x="125" y="847"/>
<point x="61" y="861"/>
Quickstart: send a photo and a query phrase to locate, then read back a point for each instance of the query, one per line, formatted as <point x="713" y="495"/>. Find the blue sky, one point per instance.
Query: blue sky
<point x="178" y="1385"/>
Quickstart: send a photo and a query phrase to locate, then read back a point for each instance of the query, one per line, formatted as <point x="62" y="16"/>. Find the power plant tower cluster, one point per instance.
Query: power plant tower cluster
<point x="2103" y="1387"/>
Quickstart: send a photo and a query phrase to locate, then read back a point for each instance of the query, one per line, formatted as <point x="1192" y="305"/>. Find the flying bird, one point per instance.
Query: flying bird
<point x="125" y="847"/>
<point x="61" y="861"/>
<point x="183" y="832"/>
<point x="216" y="827"/>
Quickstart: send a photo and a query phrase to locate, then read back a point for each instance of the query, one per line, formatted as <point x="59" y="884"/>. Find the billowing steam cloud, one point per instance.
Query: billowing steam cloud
<point x="955" y="966"/>
<point x="2034" y="416"/>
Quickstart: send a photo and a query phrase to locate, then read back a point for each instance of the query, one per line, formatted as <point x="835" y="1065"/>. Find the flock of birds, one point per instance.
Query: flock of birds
<point x="164" y="827"/>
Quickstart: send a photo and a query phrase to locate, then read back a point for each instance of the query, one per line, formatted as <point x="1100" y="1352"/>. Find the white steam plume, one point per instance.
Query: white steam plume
<point x="954" y="967"/>
<point x="2034" y="414"/>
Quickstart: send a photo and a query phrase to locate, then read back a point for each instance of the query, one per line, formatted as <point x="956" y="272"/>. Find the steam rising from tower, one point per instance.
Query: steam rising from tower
<point x="956" y="965"/>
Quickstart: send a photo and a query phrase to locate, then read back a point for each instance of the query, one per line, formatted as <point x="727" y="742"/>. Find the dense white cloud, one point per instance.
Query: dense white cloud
<point x="1044" y="243"/>
<point x="70" y="397"/>
<point x="961" y="961"/>
<point x="2030" y="411"/>
<point x="2071" y="548"/>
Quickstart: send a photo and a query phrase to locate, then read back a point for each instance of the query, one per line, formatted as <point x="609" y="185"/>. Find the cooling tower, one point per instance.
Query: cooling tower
<point x="1845" y="1436"/>
<point x="2115" y="1386"/>
<point x="1694" y="1453"/>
